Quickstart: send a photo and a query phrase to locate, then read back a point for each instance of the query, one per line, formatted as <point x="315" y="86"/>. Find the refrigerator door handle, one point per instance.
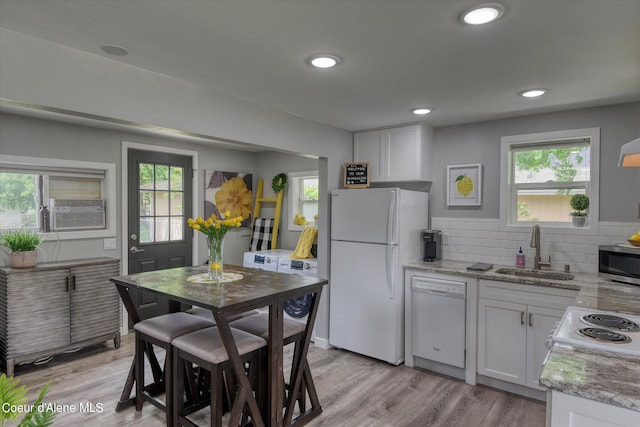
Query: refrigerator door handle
<point x="391" y="220"/>
<point x="392" y="261"/>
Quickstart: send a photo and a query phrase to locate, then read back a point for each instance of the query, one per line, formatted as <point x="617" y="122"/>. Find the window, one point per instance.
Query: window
<point x="303" y="199"/>
<point x="161" y="194"/>
<point x="27" y="184"/>
<point x="541" y="172"/>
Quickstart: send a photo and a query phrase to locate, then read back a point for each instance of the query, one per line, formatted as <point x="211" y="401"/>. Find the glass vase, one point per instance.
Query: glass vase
<point x="215" y="259"/>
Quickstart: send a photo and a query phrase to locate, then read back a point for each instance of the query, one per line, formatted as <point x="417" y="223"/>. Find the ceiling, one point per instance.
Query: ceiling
<point x="397" y="55"/>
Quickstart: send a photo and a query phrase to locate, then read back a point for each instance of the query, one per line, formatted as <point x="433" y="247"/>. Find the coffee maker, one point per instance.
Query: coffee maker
<point x="432" y="245"/>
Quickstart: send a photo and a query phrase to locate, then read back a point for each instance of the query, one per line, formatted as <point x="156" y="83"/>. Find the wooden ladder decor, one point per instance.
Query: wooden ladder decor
<point x="256" y="210"/>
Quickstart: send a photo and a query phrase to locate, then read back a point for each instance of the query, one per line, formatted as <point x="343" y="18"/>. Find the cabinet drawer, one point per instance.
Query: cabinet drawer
<point x="541" y="296"/>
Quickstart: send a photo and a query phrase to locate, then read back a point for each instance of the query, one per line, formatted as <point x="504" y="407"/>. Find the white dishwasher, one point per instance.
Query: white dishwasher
<point x="438" y="320"/>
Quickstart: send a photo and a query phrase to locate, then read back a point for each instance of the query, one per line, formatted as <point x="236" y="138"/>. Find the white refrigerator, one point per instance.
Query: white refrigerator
<point x="374" y="232"/>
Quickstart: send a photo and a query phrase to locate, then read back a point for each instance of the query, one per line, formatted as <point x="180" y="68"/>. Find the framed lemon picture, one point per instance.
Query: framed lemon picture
<point x="464" y="185"/>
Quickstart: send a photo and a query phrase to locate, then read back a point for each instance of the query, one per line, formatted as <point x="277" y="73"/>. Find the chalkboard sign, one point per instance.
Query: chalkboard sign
<point x="356" y="175"/>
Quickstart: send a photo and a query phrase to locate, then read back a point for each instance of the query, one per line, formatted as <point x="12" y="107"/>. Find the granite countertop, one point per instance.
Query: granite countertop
<point x="602" y="376"/>
<point x="460" y="268"/>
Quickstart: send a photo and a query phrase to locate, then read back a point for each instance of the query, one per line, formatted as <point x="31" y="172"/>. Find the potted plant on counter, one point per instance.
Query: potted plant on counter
<point x="580" y="205"/>
<point x="22" y="247"/>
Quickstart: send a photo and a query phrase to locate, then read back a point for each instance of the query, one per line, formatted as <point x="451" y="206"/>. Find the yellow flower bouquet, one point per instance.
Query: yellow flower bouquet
<point x="215" y="229"/>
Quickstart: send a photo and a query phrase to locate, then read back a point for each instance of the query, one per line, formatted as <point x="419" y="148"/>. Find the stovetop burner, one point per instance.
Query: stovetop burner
<point x="611" y="322"/>
<point x="604" y="335"/>
<point x="624" y="338"/>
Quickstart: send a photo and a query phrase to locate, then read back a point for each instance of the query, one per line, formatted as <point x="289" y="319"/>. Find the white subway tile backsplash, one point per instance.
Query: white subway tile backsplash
<point x="610" y="230"/>
<point x="481" y="240"/>
<point x="599" y="240"/>
<point x="576" y="239"/>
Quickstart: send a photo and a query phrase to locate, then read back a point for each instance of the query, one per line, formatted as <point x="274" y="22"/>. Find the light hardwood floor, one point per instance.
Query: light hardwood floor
<point x="353" y="391"/>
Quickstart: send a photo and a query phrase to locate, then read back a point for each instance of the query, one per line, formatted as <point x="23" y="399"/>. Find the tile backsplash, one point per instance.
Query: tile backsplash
<point x="483" y="240"/>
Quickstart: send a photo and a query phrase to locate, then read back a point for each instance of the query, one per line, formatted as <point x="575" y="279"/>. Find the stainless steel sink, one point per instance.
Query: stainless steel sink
<point x="541" y="274"/>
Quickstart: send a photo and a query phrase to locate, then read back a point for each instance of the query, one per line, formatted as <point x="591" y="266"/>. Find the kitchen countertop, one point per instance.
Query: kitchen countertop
<point x="602" y="376"/>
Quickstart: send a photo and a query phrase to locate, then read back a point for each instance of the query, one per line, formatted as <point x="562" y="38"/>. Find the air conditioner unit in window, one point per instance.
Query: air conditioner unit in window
<point x="69" y="214"/>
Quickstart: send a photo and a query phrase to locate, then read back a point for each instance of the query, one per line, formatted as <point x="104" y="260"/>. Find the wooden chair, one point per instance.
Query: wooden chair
<point x="160" y="331"/>
<point x="292" y="332"/>
<point x="205" y="349"/>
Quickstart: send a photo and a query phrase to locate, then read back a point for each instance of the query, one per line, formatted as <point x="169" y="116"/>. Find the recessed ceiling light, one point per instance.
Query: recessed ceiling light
<point x="325" y="60"/>
<point x="421" y="111"/>
<point x="482" y="13"/>
<point x="533" y="93"/>
<point x="114" y="50"/>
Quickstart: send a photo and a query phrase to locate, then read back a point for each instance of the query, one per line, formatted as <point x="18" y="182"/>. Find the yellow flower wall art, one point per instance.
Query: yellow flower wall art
<point x="229" y="191"/>
<point x="464" y="185"/>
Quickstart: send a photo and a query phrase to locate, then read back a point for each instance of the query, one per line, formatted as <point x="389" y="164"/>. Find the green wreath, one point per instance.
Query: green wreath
<point x="279" y="182"/>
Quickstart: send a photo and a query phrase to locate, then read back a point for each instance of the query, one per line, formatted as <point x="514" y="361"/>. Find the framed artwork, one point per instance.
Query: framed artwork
<point x="464" y="185"/>
<point x="228" y="191"/>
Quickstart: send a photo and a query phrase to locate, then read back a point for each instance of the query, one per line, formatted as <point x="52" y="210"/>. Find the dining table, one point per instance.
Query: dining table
<point x="242" y="289"/>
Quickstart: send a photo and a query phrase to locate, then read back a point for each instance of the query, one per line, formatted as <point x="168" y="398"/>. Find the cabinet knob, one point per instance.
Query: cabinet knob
<point x="522" y="313"/>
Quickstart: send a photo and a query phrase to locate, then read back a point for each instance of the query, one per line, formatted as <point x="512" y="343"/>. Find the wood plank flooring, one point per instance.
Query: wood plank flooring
<point x="354" y="391"/>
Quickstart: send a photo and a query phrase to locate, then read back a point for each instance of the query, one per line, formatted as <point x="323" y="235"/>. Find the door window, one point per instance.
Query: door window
<point x="161" y="195"/>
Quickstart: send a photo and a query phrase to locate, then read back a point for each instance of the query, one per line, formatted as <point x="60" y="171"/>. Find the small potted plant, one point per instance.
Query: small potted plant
<point x="580" y="205"/>
<point x="22" y="246"/>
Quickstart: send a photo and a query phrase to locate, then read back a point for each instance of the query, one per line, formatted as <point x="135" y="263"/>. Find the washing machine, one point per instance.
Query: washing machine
<point x="298" y="308"/>
<point x="264" y="260"/>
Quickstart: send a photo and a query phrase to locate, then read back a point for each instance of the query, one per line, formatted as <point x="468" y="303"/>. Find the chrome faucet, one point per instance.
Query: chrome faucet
<point x="535" y="243"/>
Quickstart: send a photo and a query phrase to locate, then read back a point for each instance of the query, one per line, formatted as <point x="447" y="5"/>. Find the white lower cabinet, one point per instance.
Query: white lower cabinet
<point x="574" y="411"/>
<point x="540" y="320"/>
<point x="513" y="323"/>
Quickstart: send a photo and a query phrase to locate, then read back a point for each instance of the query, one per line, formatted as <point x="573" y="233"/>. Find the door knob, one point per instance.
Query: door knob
<point x="135" y="250"/>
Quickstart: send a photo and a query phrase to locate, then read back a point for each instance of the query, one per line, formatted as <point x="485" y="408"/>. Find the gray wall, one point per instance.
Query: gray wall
<point x="26" y="136"/>
<point x="480" y="143"/>
<point x="37" y="72"/>
<point x="269" y="165"/>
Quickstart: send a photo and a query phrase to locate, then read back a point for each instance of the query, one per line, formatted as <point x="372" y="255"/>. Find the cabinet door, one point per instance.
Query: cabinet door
<point x="540" y="320"/>
<point x="502" y="340"/>
<point x="37" y="311"/>
<point x="95" y="305"/>
<point x="574" y="411"/>
<point x="367" y="147"/>
<point x="402" y="154"/>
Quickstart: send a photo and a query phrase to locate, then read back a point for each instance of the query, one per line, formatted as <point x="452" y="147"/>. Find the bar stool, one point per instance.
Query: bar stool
<point x="160" y="331"/>
<point x="292" y="332"/>
<point x="207" y="314"/>
<point x="205" y="349"/>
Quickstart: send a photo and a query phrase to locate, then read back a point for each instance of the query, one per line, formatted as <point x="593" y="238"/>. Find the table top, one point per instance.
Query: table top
<point x="256" y="287"/>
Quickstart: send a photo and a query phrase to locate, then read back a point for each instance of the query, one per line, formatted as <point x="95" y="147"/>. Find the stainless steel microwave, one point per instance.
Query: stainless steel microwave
<point x="619" y="263"/>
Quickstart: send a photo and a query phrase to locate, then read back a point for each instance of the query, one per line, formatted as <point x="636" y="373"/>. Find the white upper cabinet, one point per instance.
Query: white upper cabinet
<point x="396" y="154"/>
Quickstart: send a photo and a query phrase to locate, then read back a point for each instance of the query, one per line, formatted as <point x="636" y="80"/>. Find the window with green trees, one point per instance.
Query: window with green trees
<point x="543" y="175"/>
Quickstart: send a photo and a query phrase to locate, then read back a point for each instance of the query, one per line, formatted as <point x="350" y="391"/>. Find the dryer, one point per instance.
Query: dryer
<point x="303" y="267"/>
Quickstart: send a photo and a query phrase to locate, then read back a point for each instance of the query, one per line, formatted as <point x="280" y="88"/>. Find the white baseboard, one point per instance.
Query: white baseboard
<point x="322" y="343"/>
